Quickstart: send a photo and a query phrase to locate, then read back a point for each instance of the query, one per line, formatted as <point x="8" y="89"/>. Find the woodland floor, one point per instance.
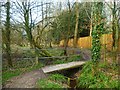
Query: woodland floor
<point x="27" y="80"/>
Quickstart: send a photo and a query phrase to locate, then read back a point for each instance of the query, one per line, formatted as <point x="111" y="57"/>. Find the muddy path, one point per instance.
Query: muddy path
<point x="27" y="80"/>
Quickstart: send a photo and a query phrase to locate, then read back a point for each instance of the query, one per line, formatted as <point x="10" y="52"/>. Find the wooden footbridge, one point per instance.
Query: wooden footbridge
<point x="58" y="67"/>
<point x="51" y="68"/>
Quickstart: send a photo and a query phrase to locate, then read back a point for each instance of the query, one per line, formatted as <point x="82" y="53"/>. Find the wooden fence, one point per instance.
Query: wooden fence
<point x="86" y="42"/>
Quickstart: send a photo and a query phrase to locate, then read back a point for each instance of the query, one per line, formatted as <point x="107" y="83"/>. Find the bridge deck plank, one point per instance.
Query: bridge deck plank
<point x="58" y="67"/>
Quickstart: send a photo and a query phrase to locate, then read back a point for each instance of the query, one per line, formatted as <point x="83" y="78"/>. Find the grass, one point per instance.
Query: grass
<point x="59" y="52"/>
<point x="70" y="59"/>
<point x="19" y="66"/>
<point x="53" y="81"/>
<point x="55" y="51"/>
<point x="6" y="75"/>
<point x="9" y="74"/>
<point x="47" y="84"/>
<point x="100" y="78"/>
<point x="58" y="78"/>
<point x="22" y="66"/>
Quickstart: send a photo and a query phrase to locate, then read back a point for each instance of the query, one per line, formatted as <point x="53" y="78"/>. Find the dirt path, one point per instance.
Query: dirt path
<point x="27" y="80"/>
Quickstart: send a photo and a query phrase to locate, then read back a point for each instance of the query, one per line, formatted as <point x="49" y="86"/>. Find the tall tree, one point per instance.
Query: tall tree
<point x="76" y="25"/>
<point x="0" y="12"/>
<point x="114" y="6"/>
<point x="26" y="10"/>
<point x="115" y="27"/>
<point x="119" y="24"/>
<point x="28" y="21"/>
<point x="68" y="27"/>
<point x="60" y="23"/>
<point x="44" y="24"/>
<point x="91" y="19"/>
<point x="7" y="34"/>
<point x="97" y="29"/>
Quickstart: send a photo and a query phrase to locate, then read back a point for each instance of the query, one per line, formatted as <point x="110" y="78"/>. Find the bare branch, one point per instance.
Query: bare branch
<point x="109" y="6"/>
<point x="87" y="14"/>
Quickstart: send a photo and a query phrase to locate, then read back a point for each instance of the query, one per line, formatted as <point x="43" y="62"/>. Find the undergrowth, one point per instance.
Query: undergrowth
<point x="44" y="83"/>
<point x="99" y="78"/>
<point x="18" y="71"/>
<point x="70" y="59"/>
<point x="53" y="81"/>
<point x="58" y="78"/>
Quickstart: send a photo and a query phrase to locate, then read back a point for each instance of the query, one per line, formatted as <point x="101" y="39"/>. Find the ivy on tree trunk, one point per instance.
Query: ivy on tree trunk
<point x="97" y="31"/>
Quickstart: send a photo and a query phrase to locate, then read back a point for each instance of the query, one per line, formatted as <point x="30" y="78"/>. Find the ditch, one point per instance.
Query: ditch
<point x="71" y="76"/>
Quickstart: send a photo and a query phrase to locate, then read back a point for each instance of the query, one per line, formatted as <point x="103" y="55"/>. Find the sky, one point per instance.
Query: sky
<point x="54" y="1"/>
<point x="60" y="0"/>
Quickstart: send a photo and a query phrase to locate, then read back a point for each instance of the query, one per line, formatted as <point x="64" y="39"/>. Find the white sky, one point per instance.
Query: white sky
<point x="54" y="1"/>
<point x="60" y="0"/>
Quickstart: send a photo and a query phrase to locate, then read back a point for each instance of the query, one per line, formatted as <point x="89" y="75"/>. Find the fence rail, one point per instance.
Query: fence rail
<point x="59" y="57"/>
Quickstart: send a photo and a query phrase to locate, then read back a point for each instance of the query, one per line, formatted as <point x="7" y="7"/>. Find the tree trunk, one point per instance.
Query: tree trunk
<point x="76" y="26"/>
<point x="65" y="46"/>
<point x="115" y="35"/>
<point x="91" y="20"/>
<point x="96" y="32"/>
<point x="68" y="33"/>
<point x="50" y="43"/>
<point x="115" y="28"/>
<point x="28" y="22"/>
<point x="7" y="35"/>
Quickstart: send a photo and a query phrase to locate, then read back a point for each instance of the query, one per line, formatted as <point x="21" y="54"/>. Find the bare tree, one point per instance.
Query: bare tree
<point x="43" y="24"/>
<point x="26" y="10"/>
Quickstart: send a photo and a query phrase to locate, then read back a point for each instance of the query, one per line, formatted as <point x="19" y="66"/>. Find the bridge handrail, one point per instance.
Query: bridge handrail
<point x="59" y="56"/>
